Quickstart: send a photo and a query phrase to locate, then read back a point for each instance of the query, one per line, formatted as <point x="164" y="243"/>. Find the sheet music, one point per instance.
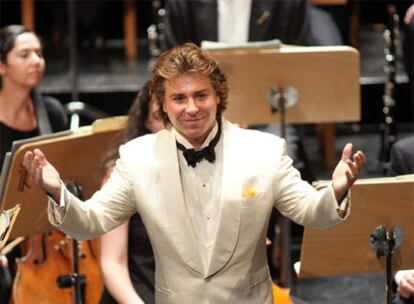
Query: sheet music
<point x="4" y="224"/>
<point x="7" y="220"/>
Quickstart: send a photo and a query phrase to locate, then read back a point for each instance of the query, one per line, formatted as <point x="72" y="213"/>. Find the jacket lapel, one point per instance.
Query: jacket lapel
<point x="180" y="229"/>
<point x="228" y="227"/>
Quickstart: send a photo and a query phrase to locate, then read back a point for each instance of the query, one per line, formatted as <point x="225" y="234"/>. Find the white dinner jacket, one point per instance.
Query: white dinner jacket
<point x="257" y="175"/>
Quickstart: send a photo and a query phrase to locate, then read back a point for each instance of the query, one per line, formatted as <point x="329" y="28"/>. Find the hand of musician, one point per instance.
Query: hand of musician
<point x="406" y="284"/>
<point x="42" y="172"/>
<point x="409" y="14"/>
<point x="346" y="171"/>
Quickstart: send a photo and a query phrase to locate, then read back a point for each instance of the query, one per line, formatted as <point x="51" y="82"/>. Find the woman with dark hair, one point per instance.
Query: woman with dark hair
<point x="126" y="251"/>
<point x="24" y="112"/>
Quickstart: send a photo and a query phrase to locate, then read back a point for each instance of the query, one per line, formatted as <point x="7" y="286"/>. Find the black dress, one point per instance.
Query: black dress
<point x="140" y="263"/>
<point x="57" y="119"/>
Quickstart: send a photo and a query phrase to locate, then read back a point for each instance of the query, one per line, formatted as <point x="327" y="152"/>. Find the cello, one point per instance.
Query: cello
<point x="58" y="262"/>
<point x="47" y="263"/>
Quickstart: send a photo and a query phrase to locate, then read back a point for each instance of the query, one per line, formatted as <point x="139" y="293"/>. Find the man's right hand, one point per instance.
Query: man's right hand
<point x="42" y="173"/>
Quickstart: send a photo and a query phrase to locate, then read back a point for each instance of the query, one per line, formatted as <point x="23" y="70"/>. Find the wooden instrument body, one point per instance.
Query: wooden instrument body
<point x="49" y="256"/>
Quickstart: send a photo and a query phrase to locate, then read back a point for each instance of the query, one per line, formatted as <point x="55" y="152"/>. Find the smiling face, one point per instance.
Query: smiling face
<point x="191" y="105"/>
<point x="25" y="64"/>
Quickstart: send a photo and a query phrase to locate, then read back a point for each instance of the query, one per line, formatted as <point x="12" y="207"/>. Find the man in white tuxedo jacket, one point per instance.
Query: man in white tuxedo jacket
<point x="204" y="189"/>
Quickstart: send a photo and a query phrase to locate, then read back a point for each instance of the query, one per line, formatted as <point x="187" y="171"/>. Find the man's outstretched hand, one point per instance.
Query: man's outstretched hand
<point x="42" y="172"/>
<point x="346" y="171"/>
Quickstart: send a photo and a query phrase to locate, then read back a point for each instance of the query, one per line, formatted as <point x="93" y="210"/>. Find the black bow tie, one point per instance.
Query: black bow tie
<point x="193" y="157"/>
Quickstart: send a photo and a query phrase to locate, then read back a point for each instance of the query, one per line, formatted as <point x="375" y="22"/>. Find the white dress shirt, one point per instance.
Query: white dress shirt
<point x="233" y="20"/>
<point x="202" y="193"/>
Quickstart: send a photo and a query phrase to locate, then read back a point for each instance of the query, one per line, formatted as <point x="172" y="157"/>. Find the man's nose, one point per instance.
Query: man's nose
<point x="192" y="106"/>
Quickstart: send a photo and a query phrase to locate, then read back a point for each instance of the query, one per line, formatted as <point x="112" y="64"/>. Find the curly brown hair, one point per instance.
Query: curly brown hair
<point x="188" y="58"/>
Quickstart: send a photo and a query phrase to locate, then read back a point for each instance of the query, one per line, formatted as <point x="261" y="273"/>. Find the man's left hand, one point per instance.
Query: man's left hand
<point x="346" y="171"/>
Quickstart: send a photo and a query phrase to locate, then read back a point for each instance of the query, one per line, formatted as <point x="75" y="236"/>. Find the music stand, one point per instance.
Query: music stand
<point x="326" y="78"/>
<point x="77" y="155"/>
<point x="324" y="82"/>
<point x="345" y="249"/>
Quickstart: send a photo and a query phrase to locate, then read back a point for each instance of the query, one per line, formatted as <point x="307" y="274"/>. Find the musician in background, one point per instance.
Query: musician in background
<point x="127" y="250"/>
<point x="402" y="162"/>
<point x="293" y="22"/>
<point x="402" y="157"/>
<point x="24" y="112"/>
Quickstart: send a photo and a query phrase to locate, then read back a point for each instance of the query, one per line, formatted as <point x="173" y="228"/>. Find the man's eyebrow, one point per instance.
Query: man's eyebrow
<point x="201" y="91"/>
<point x="183" y="94"/>
<point x="176" y="94"/>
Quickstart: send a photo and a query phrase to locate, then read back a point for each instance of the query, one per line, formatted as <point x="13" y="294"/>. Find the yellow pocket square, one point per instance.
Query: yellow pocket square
<point x="248" y="193"/>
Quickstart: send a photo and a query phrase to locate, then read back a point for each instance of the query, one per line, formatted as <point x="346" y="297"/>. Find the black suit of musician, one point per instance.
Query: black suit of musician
<point x="284" y="20"/>
<point x="293" y="22"/>
<point x="402" y="157"/>
<point x="402" y="162"/>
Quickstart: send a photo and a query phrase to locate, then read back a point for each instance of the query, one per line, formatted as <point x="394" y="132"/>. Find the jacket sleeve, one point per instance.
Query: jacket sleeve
<point x="105" y="210"/>
<point x="299" y="201"/>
